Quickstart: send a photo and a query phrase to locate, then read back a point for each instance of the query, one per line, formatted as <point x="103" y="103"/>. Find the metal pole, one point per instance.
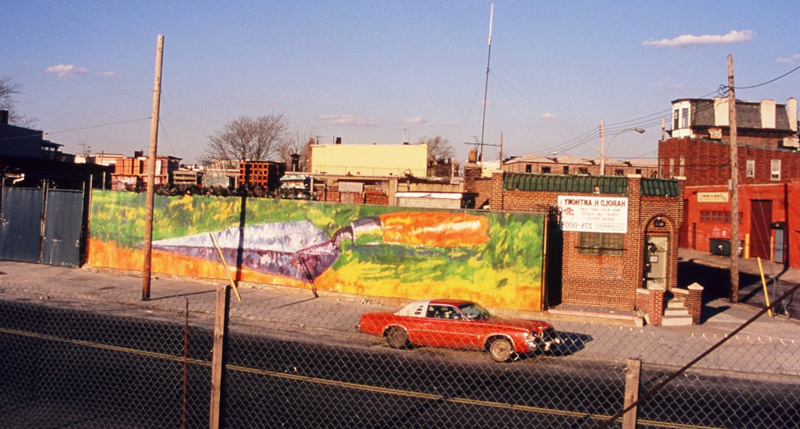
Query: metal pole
<point x="486" y="88"/>
<point x="734" y="186"/>
<point x="602" y="148"/>
<point x="151" y="174"/>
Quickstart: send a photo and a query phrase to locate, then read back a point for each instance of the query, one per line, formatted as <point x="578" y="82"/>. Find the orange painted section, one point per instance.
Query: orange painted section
<point x="435" y="229"/>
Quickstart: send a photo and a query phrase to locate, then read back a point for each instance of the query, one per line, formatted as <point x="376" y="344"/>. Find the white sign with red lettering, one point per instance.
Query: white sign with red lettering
<point x="594" y="214"/>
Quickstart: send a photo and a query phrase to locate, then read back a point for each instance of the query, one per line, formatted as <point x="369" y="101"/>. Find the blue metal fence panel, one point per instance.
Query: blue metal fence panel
<point x="20" y="234"/>
<point x="62" y="231"/>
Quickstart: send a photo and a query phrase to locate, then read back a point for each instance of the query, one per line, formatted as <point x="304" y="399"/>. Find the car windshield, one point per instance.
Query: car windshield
<point x="474" y="311"/>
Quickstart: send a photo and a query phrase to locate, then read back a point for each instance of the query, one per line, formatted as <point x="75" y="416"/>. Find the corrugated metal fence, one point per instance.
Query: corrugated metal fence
<point x="42" y="226"/>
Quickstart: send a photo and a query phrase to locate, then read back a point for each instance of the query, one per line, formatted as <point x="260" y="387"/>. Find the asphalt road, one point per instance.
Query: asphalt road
<point x="79" y="368"/>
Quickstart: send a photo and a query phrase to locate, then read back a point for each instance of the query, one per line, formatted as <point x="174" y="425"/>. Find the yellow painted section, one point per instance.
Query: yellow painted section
<point x="370" y="159"/>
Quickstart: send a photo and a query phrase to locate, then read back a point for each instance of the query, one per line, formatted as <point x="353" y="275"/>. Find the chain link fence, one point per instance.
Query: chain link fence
<point x="99" y="357"/>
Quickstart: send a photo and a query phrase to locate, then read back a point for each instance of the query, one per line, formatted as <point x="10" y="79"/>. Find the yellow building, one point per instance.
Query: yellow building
<point x="369" y="159"/>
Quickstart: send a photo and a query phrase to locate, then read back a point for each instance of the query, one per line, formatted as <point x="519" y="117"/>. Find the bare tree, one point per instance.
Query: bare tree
<point x="248" y="138"/>
<point x="8" y="89"/>
<point x="439" y="148"/>
<point x="295" y="146"/>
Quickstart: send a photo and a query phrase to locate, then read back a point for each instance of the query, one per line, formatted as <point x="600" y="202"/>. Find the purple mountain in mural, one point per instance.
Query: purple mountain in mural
<point x="294" y="249"/>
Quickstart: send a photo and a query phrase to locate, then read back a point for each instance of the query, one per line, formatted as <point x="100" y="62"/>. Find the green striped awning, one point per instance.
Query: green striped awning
<point x="564" y="183"/>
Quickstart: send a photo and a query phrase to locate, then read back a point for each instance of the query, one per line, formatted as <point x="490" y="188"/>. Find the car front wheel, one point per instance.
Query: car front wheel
<point x="397" y="338"/>
<point x="500" y="350"/>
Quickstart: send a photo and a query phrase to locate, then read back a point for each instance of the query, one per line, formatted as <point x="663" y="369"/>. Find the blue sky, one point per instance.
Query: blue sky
<point x="388" y="72"/>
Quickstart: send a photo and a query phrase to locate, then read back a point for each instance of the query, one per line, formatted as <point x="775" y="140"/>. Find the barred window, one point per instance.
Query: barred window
<point x="601" y="243"/>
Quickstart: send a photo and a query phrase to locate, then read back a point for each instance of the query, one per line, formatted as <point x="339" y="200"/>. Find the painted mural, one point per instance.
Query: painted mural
<point x="493" y="258"/>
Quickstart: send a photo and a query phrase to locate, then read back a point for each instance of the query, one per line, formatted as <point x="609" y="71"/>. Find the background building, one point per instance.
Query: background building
<point x="369" y="160"/>
<point x="698" y="148"/>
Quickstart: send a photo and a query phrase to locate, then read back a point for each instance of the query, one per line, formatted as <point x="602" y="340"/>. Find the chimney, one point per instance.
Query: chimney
<point x="791" y="113"/>
<point x="3" y="116"/>
<point x="338" y="140"/>
<point x="768" y="114"/>
<point x="472" y="157"/>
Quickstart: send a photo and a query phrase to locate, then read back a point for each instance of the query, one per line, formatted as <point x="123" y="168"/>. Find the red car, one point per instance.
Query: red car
<point x="461" y="325"/>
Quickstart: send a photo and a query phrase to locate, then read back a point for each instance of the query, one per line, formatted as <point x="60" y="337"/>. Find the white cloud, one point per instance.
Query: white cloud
<point x="548" y="115"/>
<point x="419" y="120"/>
<point x="109" y="73"/>
<point x="667" y="84"/>
<point x="707" y="39"/>
<point x="65" y="70"/>
<point x="348" y="120"/>
<point x="791" y="60"/>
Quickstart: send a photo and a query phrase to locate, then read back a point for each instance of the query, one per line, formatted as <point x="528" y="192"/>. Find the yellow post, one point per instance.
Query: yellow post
<point x="747" y="246"/>
<point x="225" y="265"/>
<point x="764" y="283"/>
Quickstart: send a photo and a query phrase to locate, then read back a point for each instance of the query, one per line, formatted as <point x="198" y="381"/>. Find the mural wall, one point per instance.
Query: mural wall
<point x="492" y="258"/>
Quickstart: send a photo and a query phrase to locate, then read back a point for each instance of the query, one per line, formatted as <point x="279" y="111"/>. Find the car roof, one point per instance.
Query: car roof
<point x="419" y="308"/>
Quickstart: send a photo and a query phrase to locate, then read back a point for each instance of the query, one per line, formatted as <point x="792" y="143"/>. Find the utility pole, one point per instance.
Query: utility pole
<point x="734" y="186"/>
<point x="151" y="175"/>
<point x="602" y="148"/>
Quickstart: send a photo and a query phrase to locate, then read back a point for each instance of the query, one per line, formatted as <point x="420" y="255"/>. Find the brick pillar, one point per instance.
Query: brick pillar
<point x="656" y="308"/>
<point x="497" y="200"/>
<point x="695" y="302"/>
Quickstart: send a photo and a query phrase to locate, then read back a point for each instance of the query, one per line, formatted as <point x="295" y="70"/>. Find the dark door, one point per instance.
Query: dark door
<point x="554" y="259"/>
<point x="62" y="228"/>
<point x="760" y="220"/>
<point x="21" y="231"/>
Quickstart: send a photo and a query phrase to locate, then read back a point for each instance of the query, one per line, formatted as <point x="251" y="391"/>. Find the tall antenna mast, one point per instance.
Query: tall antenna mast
<point x="486" y="88"/>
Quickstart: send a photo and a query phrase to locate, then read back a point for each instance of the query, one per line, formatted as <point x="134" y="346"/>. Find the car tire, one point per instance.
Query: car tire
<point x="500" y="350"/>
<point x="397" y="338"/>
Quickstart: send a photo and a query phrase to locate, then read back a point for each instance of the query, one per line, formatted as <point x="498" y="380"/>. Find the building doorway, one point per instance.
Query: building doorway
<point x="760" y="220"/>
<point x="656" y="257"/>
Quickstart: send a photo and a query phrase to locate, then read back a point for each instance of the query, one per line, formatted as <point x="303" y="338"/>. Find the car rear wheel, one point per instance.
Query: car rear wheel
<point x="397" y="338"/>
<point x="500" y="350"/>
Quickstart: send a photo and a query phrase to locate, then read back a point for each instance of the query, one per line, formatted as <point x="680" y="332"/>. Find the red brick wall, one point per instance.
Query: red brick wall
<point x="707" y="162"/>
<point x="604" y="280"/>
<point x="699" y="231"/>
<point x="375" y="197"/>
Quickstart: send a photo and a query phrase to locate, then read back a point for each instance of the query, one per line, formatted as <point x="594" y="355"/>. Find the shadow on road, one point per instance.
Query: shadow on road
<point x="573" y="342"/>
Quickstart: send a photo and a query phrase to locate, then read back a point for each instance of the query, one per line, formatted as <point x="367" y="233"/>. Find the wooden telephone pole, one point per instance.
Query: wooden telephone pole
<point x="734" y="186"/>
<point x="151" y="175"/>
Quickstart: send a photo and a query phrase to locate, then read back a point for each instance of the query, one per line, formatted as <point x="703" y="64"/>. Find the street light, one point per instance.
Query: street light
<point x="603" y="145"/>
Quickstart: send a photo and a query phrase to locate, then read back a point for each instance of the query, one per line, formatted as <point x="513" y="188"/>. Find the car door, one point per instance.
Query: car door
<point x="444" y="327"/>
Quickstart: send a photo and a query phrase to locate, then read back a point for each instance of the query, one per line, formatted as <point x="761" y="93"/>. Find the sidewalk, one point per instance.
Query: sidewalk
<point x="768" y="346"/>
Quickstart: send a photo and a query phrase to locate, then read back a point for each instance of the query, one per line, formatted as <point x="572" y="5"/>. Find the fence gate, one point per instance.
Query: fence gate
<point x="21" y="218"/>
<point x="41" y="226"/>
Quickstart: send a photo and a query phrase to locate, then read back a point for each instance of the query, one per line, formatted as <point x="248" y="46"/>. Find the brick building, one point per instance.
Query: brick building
<point x="261" y="173"/>
<point x="131" y="172"/>
<point x="586" y="265"/>
<point x="768" y="157"/>
<point x="568" y="164"/>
